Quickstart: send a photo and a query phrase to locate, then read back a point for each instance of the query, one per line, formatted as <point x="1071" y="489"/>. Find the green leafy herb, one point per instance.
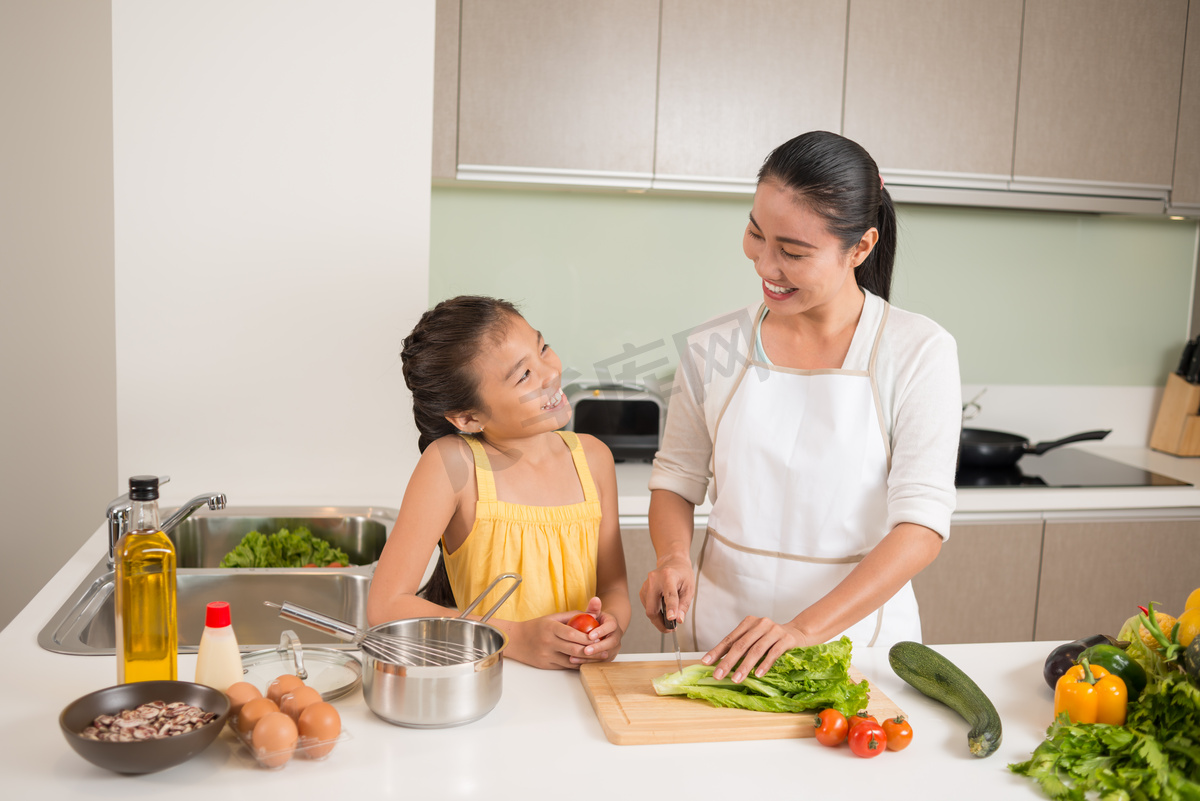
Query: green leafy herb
<point x="803" y="679"/>
<point x="284" y="549"/>
<point x="1155" y="755"/>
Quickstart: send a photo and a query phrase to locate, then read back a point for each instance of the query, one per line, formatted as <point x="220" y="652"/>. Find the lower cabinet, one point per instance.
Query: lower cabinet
<point x="983" y="586"/>
<point x="1097" y="570"/>
<point x="642" y="637"/>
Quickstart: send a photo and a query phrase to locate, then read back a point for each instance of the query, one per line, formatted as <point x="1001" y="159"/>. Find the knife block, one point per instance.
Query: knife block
<point x="1177" y="426"/>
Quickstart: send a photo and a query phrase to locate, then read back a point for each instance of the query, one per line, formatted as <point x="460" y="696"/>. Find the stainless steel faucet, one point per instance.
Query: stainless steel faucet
<point x="118" y="515"/>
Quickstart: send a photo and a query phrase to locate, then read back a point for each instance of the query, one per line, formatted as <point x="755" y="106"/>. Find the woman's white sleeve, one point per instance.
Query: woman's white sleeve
<point x="682" y="463"/>
<point x="925" y="435"/>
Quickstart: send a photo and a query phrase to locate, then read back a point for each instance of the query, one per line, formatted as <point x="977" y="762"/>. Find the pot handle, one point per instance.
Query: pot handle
<point x="317" y="621"/>
<point x="1042" y="447"/>
<point x="499" y="603"/>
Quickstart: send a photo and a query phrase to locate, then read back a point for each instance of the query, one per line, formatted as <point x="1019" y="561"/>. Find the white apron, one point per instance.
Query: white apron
<point x="800" y="467"/>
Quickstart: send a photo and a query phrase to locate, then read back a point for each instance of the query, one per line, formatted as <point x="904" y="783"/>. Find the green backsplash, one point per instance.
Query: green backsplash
<point x="1032" y="297"/>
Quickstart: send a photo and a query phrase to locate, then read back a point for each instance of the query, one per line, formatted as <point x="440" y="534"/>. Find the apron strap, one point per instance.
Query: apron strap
<point x="816" y="560"/>
<point x="762" y="311"/>
<point x="709" y="533"/>
<point x="887" y="441"/>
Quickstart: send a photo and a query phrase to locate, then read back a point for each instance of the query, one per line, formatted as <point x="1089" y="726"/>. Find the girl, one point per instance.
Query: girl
<point x="501" y="489"/>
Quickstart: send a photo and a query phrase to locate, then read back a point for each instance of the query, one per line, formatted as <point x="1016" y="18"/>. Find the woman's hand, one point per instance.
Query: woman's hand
<point x="756" y="641"/>
<point x="671" y="586"/>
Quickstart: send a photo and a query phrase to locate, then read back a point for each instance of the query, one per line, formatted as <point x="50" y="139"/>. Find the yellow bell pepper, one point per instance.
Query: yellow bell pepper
<point x="1090" y="694"/>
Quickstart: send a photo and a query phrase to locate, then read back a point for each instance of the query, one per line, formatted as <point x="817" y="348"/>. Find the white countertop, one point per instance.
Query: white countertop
<point x="541" y="738"/>
<point x="980" y="503"/>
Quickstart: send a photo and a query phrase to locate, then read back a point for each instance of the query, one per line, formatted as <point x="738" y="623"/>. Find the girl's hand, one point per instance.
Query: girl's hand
<point x="671" y="585"/>
<point x="605" y="638"/>
<point x="756" y="641"/>
<point x="550" y="643"/>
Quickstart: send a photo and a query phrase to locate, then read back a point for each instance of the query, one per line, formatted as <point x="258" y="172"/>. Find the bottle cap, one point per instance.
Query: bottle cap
<point x="217" y="615"/>
<point x="143" y="488"/>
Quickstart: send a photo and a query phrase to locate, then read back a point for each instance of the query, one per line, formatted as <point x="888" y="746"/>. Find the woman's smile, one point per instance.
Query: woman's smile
<point x="775" y="291"/>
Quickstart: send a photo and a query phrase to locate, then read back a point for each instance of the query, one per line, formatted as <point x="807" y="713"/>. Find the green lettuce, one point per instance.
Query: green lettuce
<point x="803" y="679"/>
<point x="1155" y="755"/>
<point x="284" y="549"/>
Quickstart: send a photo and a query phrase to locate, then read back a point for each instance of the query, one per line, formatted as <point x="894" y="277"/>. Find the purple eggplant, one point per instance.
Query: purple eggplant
<point x="1062" y="657"/>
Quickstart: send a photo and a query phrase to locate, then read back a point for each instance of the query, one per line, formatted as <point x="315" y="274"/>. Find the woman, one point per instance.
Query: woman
<point x="830" y="438"/>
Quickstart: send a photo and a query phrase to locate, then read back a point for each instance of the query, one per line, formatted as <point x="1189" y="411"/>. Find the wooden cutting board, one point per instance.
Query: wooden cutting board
<point x="631" y="713"/>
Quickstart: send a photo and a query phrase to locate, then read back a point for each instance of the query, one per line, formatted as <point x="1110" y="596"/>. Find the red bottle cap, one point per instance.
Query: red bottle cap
<point x="217" y="615"/>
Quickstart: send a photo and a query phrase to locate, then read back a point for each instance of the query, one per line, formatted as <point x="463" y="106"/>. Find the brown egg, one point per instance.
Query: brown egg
<point x="274" y="740"/>
<point x="298" y="700"/>
<point x="254" y="711"/>
<point x="320" y="724"/>
<point x="282" y="685"/>
<point x="239" y="693"/>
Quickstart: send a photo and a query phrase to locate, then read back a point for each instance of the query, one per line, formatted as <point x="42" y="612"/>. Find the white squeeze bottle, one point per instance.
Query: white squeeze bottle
<point x="219" y="662"/>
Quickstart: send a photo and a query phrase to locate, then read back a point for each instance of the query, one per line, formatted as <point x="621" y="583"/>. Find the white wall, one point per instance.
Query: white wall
<point x="272" y="173"/>
<point x="58" y="402"/>
<point x="263" y="167"/>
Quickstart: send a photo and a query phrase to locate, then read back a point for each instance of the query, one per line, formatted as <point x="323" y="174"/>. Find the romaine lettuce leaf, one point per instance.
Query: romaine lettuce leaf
<point x="803" y="679"/>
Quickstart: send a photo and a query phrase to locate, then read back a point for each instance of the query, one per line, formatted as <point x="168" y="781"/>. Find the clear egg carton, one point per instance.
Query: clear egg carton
<point x="306" y="748"/>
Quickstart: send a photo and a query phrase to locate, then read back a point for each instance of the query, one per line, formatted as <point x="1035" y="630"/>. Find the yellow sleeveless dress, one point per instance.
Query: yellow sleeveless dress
<point x="554" y="548"/>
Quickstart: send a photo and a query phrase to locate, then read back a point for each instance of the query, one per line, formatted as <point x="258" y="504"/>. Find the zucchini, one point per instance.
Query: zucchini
<point x="940" y="679"/>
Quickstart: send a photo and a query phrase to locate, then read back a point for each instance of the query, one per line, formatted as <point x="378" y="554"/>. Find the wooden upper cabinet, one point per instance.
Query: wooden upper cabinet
<point x="558" y="84"/>
<point x="445" y="89"/>
<point x="740" y="77"/>
<point x="1099" y="95"/>
<point x="931" y="85"/>
<point x="1187" y="147"/>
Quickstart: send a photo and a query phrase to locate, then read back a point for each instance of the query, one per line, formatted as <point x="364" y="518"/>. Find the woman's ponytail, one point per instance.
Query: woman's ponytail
<point x="875" y="273"/>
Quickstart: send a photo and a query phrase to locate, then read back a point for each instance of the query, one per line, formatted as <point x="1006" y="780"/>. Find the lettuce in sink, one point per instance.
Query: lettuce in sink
<point x="284" y="548"/>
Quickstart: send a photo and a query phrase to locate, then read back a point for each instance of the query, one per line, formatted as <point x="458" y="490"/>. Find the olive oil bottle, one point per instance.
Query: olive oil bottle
<point x="146" y="626"/>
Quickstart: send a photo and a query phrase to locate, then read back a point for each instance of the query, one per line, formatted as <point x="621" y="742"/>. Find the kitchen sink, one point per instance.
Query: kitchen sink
<point x="85" y="624"/>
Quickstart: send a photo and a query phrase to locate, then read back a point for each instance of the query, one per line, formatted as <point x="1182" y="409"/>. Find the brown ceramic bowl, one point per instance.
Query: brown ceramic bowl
<point x="143" y="756"/>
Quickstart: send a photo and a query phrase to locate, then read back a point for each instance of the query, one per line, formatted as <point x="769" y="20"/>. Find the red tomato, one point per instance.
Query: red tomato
<point x="867" y="739"/>
<point x="899" y="733"/>
<point x="858" y="717"/>
<point x="311" y="564"/>
<point x="334" y="564"/>
<point x="831" y="727"/>
<point x="583" y="622"/>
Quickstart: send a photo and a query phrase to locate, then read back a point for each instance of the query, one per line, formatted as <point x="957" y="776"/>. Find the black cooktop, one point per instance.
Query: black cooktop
<point x="1061" y="468"/>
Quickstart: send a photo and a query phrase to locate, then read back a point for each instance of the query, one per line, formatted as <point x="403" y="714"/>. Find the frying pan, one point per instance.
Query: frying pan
<point x="979" y="447"/>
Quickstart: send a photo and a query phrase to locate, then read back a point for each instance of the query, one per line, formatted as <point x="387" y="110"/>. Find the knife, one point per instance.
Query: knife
<point x="671" y="625"/>
<point x="1185" y="360"/>
<point x="1193" y="372"/>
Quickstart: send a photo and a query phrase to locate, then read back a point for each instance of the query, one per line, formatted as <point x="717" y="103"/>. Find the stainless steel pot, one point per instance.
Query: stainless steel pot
<point x="439" y="696"/>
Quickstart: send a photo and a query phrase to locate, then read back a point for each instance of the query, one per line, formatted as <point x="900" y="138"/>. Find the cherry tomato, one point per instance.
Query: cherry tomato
<point x="899" y="733"/>
<point x="334" y="564"/>
<point x="858" y="717"/>
<point x="311" y="564"/>
<point x="584" y="622"/>
<point x="831" y="727"/>
<point x="868" y="740"/>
